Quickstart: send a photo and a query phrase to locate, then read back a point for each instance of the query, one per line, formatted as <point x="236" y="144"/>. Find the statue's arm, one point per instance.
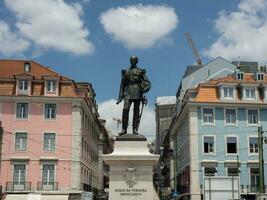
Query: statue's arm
<point x="122" y="87"/>
<point x="146" y="85"/>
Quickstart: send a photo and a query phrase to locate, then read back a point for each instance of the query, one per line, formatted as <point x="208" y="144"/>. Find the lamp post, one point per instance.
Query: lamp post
<point x="261" y="139"/>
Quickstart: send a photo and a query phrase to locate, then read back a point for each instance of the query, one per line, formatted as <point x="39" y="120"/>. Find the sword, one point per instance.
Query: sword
<point x="144" y="103"/>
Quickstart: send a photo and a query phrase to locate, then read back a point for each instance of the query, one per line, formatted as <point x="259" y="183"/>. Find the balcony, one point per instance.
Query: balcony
<point x="47" y="186"/>
<point x="18" y="186"/>
<point x="23" y="92"/>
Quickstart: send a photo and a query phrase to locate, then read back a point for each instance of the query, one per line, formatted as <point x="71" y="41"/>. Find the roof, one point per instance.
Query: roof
<point x="218" y="67"/>
<point x="11" y="68"/>
<point x="248" y="78"/>
<point x="208" y="91"/>
<point x="191" y="69"/>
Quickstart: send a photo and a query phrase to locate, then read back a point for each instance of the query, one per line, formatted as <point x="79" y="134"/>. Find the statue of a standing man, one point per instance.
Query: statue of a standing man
<point x="134" y="84"/>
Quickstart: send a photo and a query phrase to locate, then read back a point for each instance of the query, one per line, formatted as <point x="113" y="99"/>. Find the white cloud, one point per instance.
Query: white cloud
<point x="109" y="111"/>
<point x="139" y="26"/>
<point x="52" y="24"/>
<point x="10" y="42"/>
<point x="242" y="32"/>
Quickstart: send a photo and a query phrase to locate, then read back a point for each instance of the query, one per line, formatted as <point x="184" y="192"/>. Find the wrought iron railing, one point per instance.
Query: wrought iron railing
<point x="47" y="186"/>
<point x="250" y="188"/>
<point x="23" y="92"/>
<point x="18" y="186"/>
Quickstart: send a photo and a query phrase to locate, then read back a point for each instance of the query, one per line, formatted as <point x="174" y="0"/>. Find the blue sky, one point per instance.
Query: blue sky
<point x="73" y="39"/>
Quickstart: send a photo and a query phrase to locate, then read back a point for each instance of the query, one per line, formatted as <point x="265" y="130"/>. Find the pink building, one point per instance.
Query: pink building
<point x="51" y="133"/>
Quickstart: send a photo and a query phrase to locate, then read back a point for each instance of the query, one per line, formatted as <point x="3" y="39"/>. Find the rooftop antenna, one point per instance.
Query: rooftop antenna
<point x="193" y="48"/>
<point x="238" y="62"/>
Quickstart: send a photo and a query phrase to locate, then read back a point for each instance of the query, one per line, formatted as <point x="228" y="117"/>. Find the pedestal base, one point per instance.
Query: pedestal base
<point x="131" y="165"/>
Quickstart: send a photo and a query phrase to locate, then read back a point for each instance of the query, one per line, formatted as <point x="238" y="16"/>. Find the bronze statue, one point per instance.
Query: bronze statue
<point x="134" y="84"/>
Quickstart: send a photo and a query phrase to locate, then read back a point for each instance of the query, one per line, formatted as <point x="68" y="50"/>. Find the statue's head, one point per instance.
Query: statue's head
<point x="133" y="60"/>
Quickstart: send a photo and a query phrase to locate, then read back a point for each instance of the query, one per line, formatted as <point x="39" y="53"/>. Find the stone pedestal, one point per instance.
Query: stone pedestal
<point x="131" y="166"/>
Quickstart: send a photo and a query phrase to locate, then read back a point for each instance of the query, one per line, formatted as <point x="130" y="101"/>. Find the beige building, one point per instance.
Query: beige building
<point x="163" y="112"/>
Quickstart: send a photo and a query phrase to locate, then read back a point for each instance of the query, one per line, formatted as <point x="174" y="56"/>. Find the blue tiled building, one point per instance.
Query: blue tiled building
<point x="215" y="133"/>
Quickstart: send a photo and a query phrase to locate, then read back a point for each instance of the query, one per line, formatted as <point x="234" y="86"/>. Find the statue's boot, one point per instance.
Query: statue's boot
<point x="135" y="131"/>
<point x="125" y="119"/>
<point x="123" y="131"/>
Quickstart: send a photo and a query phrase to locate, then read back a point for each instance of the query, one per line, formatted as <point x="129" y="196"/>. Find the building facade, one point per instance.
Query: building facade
<point x="215" y="134"/>
<point x="193" y="76"/>
<point x="51" y="133"/>
<point x="163" y="112"/>
<point x="164" y="107"/>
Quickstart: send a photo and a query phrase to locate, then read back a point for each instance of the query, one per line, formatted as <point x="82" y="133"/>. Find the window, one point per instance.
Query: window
<point x="232" y="171"/>
<point x="21" y="141"/>
<point x="260" y="77"/>
<point x="48" y="174"/>
<point x="230" y="116"/>
<point x="252" y="117"/>
<point x="50" y="111"/>
<point x="208" y="117"/>
<point x="22" y="110"/>
<point x="231" y="145"/>
<point x="27" y="67"/>
<point x="209" y="144"/>
<point x="210" y="171"/>
<point x="49" y="141"/>
<point x="254" y="179"/>
<point x="253" y="145"/>
<point x="23" y="85"/>
<point x="19" y="174"/>
<point x="228" y="92"/>
<point x="240" y="75"/>
<point x="51" y="86"/>
<point x="250" y="93"/>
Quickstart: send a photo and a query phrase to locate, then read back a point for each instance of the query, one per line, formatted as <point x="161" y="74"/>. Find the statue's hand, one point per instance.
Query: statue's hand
<point x="120" y="99"/>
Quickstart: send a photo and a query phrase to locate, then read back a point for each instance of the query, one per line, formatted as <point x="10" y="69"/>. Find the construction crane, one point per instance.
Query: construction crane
<point x="194" y="49"/>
